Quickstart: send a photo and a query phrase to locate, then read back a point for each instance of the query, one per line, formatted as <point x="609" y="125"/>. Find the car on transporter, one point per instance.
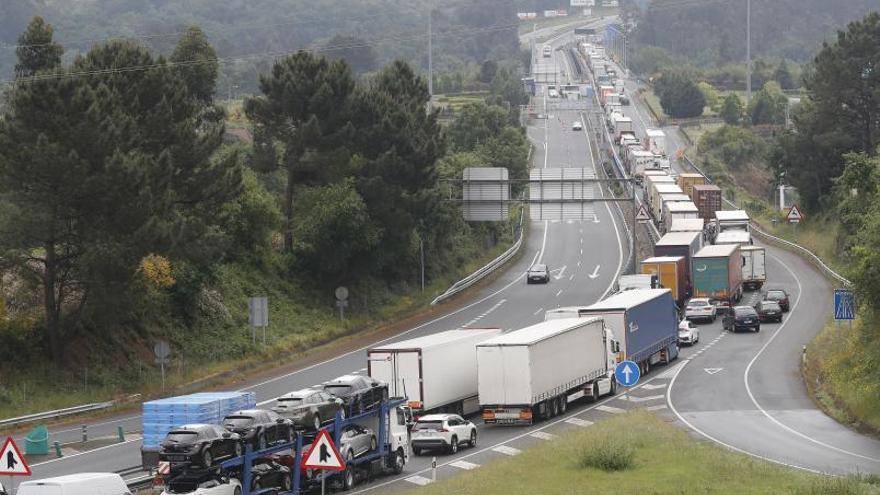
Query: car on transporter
<point x="577" y="126"/>
<point x="444" y="432"/>
<point x="202" y="483"/>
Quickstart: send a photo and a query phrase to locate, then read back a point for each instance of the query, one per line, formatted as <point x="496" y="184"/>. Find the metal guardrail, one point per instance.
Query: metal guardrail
<point x="769" y="238"/>
<point x="486" y="270"/>
<point x="58" y="413"/>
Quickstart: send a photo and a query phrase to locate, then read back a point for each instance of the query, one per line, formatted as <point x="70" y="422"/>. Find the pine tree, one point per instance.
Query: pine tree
<point x="36" y="50"/>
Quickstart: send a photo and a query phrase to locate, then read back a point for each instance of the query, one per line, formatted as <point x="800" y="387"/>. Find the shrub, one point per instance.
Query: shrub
<point x="608" y="454"/>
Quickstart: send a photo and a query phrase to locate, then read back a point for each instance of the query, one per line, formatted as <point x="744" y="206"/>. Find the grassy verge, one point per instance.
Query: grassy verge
<point x="639" y="453"/>
<point x="841" y="373"/>
<point x="218" y="349"/>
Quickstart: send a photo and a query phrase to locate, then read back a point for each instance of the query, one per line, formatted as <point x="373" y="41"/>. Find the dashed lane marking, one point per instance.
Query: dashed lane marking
<point x="578" y="422"/>
<point x="671" y="371"/>
<point x="538" y="311"/>
<point x="419" y="480"/>
<point x="506" y="450"/>
<point x="633" y="398"/>
<point x="609" y="409"/>
<point x="558" y="293"/>
<point x="543" y="435"/>
<point x="467" y="466"/>
<point x="651" y="386"/>
<point x="656" y="408"/>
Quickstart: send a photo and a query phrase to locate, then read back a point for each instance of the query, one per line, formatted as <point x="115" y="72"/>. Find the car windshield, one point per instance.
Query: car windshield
<point x="769" y="305"/>
<point x="338" y="389"/>
<point x="744" y="311"/>
<point x="539" y="268"/>
<point x="428" y="425"/>
<point x="238" y="421"/>
<point x="695" y="304"/>
<point x="775" y="295"/>
<point x="290" y="401"/>
<point x="182" y="436"/>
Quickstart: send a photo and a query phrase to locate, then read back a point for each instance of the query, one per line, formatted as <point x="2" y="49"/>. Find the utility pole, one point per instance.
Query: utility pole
<point x="748" y="52"/>
<point x="430" y="57"/>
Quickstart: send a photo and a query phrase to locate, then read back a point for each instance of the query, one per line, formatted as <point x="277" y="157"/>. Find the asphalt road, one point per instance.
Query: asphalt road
<point x="747" y="392"/>
<point x="585" y="257"/>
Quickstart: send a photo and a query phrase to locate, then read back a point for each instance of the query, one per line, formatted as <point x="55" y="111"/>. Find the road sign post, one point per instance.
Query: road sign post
<point x="258" y="316"/>
<point x="12" y="463"/>
<point x="627" y="373"/>
<point x="324" y="456"/>
<point x="844" y="305"/>
<point x="341" y="294"/>
<point x="162" y="350"/>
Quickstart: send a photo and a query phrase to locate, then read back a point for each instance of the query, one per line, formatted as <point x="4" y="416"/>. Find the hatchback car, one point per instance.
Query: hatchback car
<point x="688" y="333"/>
<point x="779" y="296"/>
<point x="269" y="473"/>
<point x="538" y="274"/>
<point x="358" y="393"/>
<point x="769" y="311"/>
<point x="309" y="408"/>
<point x="202" y="483"/>
<point x="259" y="428"/>
<point x="577" y="126"/>
<point x="355" y="441"/>
<point x="199" y="444"/>
<point x="442" y="432"/>
<point x="742" y="318"/>
<point x="700" y="309"/>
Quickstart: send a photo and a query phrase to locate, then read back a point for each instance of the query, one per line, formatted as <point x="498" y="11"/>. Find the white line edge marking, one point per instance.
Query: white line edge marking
<point x="761" y="351"/>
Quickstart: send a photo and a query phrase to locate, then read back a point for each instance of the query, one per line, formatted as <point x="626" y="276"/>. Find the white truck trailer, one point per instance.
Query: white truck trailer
<point x="731" y="220"/>
<point x="533" y="373"/>
<point x="655" y="141"/>
<point x="435" y="373"/>
<point x="754" y="267"/>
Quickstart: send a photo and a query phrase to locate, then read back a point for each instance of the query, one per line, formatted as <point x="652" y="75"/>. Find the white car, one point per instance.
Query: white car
<point x="577" y="126"/>
<point x="443" y="432"/>
<point x="2" y="490"/>
<point x="700" y="309"/>
<point x="688" y="333"/>
<point x="202" y="483"/>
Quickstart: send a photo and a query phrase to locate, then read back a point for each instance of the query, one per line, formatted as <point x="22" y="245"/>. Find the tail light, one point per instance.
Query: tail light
<point x="443" y="430"/>
<point x="525" y="414"/>
<point x="415" y="404"/>
<point x="488" y="414"/>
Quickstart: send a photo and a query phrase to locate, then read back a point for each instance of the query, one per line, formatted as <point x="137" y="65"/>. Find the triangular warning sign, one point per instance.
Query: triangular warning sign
<point x="323" y="454"/>
<point x="12" y="463"/>
<point x="794" y="215"/>
<point x="643" y="216"/>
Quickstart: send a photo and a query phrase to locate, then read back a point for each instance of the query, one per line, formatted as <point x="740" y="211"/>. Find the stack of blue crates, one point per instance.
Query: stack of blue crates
<point x="163" y="415"/>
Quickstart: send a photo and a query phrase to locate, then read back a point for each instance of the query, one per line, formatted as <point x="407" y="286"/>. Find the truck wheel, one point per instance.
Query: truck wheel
<point x="563" y="404"/>
<point x="613" y="386"/>
<point x="554" y="408"/>
<point x="417" y="451"/>
<point x="398" y="462"/>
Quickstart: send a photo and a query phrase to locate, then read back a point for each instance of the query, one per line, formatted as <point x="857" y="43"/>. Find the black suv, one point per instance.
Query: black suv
<point x="199" y="444"/>
<point x="259" y="428"/>
<point x="742" y="318"/>
<point x="358" y="393"/>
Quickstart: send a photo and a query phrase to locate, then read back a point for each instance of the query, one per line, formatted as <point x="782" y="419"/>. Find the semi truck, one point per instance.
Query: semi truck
<point x="687" y="182"/>
<point x="687" y="225"/>
<point x="667" y="198"/>
<point x="646" y="323"/>
<point x="660" y="186"/>
<point x="740" y="237"/>
<point x="435" y="373"/>
<point x="717" y="272"/>
<point x="754" y="267"/>
<point x="685" y="244"/>
<point x="707" y="197"/>
<point x="676" y="211"/>
<point x="672" y="274"/>
<point x="533" y="373"/>
<point x="655" y="141"/>
<point x="731" y="220"/>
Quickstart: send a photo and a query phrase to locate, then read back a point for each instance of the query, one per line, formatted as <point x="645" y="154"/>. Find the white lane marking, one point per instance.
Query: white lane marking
<point x="719" y="442"/>
<point x="543" y="435"/>
<point x="363" y="369"/>
<point x="633" y="398"/>
<point x="558" y="293"/>
<point x="418" y="480"/>
<point x="595" y="273"/>
<point x="761" y="351"/>
<point x="609" y="409"/>
<point x="467" y="466"/>
<point x="544" y="242"/>
<point x="712" y="371"/>
<point x="672" y="371"/>
<point x="659" y="407"/>
<point x="582" y="251"/>
<point x="578" y="422"/>
<point x="536" y="313"/>
<point x="655" y="387"/>
<point x="561" y="272"/>
<point x="506" y="450"/>
<point x="489" y="311"/>
<point x="579" y="264"/>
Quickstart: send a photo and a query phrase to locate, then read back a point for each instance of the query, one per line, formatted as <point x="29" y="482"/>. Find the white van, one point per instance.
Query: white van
<point x="77" y="484"/>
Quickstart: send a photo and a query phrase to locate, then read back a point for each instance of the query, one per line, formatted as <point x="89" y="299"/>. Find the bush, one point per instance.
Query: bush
<point x="609" y="454"/>
<point x="838" y="486"/>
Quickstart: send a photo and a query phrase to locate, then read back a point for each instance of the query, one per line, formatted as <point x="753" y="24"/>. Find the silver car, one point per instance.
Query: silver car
<point x="355" y="441"/>
<point x="538" y="274"/>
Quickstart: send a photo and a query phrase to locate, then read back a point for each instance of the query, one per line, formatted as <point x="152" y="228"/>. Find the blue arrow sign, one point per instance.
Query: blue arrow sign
<point x="627" y="373"/>
<point x="844" y="304"/>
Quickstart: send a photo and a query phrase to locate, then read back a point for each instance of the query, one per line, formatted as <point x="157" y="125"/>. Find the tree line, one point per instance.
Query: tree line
<point x="119" y="199"/>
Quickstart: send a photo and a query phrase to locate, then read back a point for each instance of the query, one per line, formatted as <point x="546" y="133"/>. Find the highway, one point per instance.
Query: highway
<point x="585" y="258"/>
<point x="746" y="392"/>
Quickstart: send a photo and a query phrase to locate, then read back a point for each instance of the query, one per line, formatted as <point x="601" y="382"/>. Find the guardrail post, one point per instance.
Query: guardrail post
<point x="57" y="449"/>
<point x="121" y="434"/>
<point x="433" y="469"/>
<point x="85" y="433"/>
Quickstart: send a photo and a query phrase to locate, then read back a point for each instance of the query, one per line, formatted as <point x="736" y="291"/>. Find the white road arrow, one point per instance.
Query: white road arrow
<point x="561" y="273"/>
<point x="627" y="372"/>
<point x="712" y="371"/>
<point x="595" y="218"/>
<point x="595" y="273"/>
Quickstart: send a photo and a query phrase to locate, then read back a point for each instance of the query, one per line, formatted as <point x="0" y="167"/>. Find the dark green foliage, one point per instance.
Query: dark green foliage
<point x="488" y="71"/>
<point x="679" y="95"/>
<point x="732" y="109"/>
<point x="36" y="50"/>
<point x="735" y="146"/>
<point x="196" y="61"/>
<point x="768" y="106"/>
<point x="783" y="75"/>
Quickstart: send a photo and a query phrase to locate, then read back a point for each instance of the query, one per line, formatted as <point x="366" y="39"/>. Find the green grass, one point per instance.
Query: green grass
<point x="664" y="460"/>
<point x="842" y="374"/>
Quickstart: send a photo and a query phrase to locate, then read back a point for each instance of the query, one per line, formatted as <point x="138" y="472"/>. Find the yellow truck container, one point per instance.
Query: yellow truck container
<point x="687" y="181"/>
<point x="671" y="272"/>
